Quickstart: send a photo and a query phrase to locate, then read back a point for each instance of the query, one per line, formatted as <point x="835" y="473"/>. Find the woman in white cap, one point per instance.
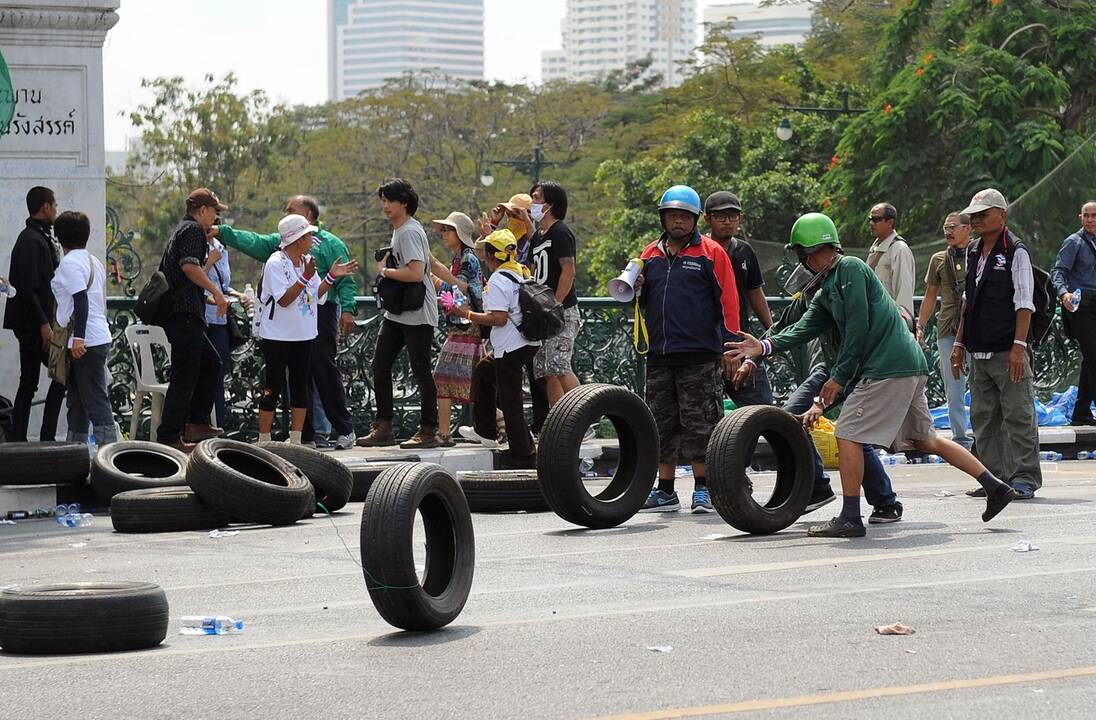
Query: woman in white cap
<point x="286" y="321"/>
<point x="463" y="348"/>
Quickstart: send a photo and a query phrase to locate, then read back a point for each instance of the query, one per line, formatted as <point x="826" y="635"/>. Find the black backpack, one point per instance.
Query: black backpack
<point x="155" y="297"/>
<point x="541" y="313"/>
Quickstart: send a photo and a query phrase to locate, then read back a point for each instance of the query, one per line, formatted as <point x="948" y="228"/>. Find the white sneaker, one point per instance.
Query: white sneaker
<point x="469" y="433"/>
<point x="345" y="442"/>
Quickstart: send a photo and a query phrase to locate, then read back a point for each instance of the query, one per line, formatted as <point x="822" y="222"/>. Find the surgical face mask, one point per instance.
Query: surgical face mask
<point x="537" y="212"/>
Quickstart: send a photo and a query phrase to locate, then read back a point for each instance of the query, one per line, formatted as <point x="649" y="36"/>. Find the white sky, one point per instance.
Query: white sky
<point x="280" y="46"/>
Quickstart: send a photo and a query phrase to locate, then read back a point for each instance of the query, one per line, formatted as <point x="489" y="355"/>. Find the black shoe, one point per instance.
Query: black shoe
<point x="886" y="514"/>
<point x="1083" y="422"/>
<point x="997" y="503"/>
<point x="837" y="528"/>
<point x="819" y="497"/>
<point x="977" y="492"/>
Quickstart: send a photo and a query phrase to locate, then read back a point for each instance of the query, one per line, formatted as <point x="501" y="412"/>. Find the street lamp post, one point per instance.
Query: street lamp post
<point x="532" y="168"/>
<point x="784" y="129"/>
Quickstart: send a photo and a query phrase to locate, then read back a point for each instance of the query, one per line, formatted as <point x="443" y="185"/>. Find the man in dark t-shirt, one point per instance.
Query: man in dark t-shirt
<point x="554" y="265"/>
<point x="723" y="213"/>
<point x="195" y="364"/>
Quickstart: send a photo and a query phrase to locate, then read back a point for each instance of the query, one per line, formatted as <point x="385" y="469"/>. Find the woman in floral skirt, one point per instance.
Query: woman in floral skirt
<point x="463" y="348"/>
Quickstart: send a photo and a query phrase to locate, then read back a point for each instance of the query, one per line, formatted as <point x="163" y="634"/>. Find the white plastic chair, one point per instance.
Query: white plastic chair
<point x="141" y="339"/>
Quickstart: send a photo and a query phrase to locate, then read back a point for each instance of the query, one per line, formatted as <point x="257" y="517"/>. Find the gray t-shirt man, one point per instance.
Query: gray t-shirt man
<point x="409" y="244"/>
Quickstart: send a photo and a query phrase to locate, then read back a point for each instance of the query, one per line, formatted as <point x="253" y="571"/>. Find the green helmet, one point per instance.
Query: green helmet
<point x="813" y="230"/>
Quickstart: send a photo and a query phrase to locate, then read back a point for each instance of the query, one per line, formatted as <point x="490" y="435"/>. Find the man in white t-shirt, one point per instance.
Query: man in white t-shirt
<point x="79" y="287"/>
<point x="496" y="381"/>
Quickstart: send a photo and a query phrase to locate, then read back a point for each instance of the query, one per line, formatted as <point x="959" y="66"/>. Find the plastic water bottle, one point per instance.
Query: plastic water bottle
<point x="71" y="517"/>
<point x="899" y="458"/>
<point x="1084" y="455"/>
<point x="1075" y="299"/>
<point x="1050" y="456"/>
<point x="887" y="459"/>
<point x="249" y="293"/>
<point x="210" y="625"/>
<point x="934" y="459"/>
<point x="93" y="445"/>
<point x="586" y="467"/>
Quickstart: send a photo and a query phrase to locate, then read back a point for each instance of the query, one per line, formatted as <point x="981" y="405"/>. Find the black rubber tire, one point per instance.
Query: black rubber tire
<point x="136" y="465"/>
<point x="388" y="559"/>
<point x="558" y="456"/>
<point x="168" y="509"/>
<point x="249" y="483"/>
<point x="365" y="475"/>
<point x="330" y="479"/>
<point x="82" y="618"/>
<point x="502" y="491"/>
<point x="727" y="460"/>
<point x="43" y="463"/>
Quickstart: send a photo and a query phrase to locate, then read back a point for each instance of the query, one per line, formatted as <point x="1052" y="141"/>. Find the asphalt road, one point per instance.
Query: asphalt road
<point x="561" y="620"/>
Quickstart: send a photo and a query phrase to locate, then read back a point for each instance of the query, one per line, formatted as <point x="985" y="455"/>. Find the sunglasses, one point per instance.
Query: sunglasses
<point x="877" y="219"/>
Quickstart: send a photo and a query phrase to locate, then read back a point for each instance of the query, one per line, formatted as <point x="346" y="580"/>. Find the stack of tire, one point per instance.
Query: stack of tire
<point x="153" y="488"/>
<point x="43" y="463"/>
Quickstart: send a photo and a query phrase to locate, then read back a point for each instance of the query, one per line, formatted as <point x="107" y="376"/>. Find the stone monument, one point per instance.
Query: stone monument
<point x="54" y="54"/>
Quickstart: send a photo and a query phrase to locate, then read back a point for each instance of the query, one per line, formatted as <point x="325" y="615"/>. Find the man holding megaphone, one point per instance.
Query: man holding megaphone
<point x="689" y="301"/>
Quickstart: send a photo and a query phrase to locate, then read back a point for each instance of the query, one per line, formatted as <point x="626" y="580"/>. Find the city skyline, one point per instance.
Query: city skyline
<point x="271" y="45"/>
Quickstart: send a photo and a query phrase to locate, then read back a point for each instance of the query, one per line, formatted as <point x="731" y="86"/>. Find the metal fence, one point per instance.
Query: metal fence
<point x="603" y="353"/>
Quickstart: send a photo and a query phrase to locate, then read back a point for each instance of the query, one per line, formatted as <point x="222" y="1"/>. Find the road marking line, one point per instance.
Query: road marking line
<point x="854" y="695"/>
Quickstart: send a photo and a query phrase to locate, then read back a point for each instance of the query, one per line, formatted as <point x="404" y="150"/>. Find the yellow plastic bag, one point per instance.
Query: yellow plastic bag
<point x="824" y="440"/>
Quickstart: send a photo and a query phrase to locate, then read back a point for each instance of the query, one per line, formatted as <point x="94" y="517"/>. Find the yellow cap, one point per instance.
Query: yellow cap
<point x="502" y="241"/>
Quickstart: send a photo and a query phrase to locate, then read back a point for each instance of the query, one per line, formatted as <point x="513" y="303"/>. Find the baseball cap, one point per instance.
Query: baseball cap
<point x="498" y="241"/>
<point x="292" y="228"/>
<point x="466" y="229"/>
<point x="722" y="200"/>
<point x="521" y="200"/>
<point x="204" y="197"/>
<point x="986" y="199"/>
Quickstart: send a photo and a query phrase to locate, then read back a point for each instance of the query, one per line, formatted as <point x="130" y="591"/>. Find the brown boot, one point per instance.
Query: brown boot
<point x="379" y="436"/>
<point x="181" y="446"/>
<point x="424" y="439"/>
<point x="197" y="433"/>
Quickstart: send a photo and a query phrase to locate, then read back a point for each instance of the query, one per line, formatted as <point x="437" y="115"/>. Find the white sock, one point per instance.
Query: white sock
<point x="295" y="437"/>
<point x="264" y="437"/>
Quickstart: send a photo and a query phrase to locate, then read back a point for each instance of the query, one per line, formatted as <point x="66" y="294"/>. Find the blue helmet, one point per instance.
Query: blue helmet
<point x="680" y="197"/>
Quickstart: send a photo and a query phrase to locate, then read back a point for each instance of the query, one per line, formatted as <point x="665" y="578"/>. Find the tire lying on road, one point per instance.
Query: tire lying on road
<point x="364" y="475"/>
<point x="169" y="509"/>
<point x="558" y="455"/>
<point x="502" y="491"/>
<point x="43" y="463"/>
<point x="248" y="483"/>
<point x="728" y="457"/>
<point x="136" y="465"/>
<point x="82" y="617"/>
<point x="331" y="480"/>
<point x="388" y="559"/>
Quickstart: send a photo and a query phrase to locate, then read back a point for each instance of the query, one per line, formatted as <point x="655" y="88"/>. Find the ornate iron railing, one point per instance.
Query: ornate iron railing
<point x="603" y="353"/>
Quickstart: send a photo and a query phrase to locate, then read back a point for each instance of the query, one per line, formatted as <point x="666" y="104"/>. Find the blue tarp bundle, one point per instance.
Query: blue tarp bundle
<point x="1053" y="414"/>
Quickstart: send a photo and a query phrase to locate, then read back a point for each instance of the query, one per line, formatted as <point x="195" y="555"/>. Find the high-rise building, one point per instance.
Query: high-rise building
<point x="379" y="39"/>
<point x="771" y="25"/>
<point x="336" y="18"/>
<point x="600" y="36"/>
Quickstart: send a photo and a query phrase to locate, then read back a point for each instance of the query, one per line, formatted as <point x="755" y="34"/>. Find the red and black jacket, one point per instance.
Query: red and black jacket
<point x="690" y="301"/>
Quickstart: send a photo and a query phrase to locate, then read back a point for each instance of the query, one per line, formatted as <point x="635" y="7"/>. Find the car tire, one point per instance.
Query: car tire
<point x="558" y="456"/>
<point x="388" y="562"/>
<point x="167" y="509"/>
<point x="365" y="474"/>
<point x="136" y="465"/>
<point x="728" y="457"/>
<point x="82" y="618"/>
<point x="43" y="463"/>
<point x="248" y="483"/>
<point x="330" y="479"/>
<point x="502" y="491"/>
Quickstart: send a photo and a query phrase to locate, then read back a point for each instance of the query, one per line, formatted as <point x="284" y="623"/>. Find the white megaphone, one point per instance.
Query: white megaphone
<point x="622" y="287"/>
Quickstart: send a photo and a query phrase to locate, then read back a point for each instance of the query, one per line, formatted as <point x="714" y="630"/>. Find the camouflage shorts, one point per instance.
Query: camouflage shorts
<point x="687" y="402"/>
<point x="554" y="357"/>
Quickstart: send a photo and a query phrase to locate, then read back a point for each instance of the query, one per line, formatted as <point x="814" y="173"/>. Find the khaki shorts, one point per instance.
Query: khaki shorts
<point x="554" y="357"/>
<point x="872" y="414"/>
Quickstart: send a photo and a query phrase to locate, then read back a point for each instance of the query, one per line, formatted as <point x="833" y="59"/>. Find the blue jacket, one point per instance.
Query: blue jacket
<point x="690" y="302"/>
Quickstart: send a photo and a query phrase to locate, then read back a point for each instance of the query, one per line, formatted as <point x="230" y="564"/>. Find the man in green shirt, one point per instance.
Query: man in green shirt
<point x="878" y="348"/>
<point x="327" y="249"/>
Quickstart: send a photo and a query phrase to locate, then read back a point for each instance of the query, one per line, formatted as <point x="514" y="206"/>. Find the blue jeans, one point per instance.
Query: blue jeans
<point x="956" y="392"/>
<point x="218" y="335"/>
<point x="320" y="424"/>
<point x="755" y="391"/>
<point x="877" y="485"/>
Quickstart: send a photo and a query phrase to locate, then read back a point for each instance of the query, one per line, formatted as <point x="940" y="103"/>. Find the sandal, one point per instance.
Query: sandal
<point x="446" y="440"/>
